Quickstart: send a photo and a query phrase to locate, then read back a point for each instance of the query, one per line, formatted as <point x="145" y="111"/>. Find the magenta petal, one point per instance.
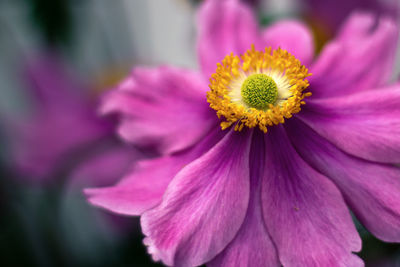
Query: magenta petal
<point x="366" y="124"/>
<point x="370" y="189"/>
<point x="138" y="191"/>
<point x="225" y="26"/>
<point x="144" y="186"/>
<point x="252" y="246"/>
<point x="360" y="58"/>
<point x="203" y="207"/>
<point x="163" y="107"/>
<point x="304" y="212"/>
<point x="293" y="36"/>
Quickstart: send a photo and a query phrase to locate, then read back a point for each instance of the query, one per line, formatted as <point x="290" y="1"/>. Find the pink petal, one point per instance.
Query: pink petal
<point x="366" y="124"/>
<point x="360" y="58"/>
<point x="370" y="189"/>
<point x="145" y="184"/>
<point x="252" y="246"/>
<point x="304" y="212"/>
<point x="140" y="190"/>
<point x="203" y="207"/>
<point x="225" y="26"/>
<point x="293" y="36"/>
<point x="164" y="107"/>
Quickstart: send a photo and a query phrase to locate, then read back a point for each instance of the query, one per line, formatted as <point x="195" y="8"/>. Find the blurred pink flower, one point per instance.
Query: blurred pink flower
<point x="63" y="130"/>
<point x="257" y="198"/>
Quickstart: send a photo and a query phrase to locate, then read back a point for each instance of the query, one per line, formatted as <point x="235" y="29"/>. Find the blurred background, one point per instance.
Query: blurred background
<point x="57" y="58"/>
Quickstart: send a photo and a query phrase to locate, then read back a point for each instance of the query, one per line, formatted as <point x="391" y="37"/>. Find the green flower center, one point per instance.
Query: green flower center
<point x="259" y="91"/>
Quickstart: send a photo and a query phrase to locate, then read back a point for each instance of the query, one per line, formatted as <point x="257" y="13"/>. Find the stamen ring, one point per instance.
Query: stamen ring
<point x="257" y="104"/>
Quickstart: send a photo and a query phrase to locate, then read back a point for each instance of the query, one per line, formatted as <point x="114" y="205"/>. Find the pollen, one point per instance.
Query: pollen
<point x="259" y="88"/>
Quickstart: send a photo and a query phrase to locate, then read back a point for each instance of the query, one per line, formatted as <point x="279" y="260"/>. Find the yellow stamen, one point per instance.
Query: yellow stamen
<point x="226" y="83"/>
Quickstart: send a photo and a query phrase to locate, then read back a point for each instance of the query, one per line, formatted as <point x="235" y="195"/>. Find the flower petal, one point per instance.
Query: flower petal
<point x="370" y="189"/>
<point x="203" y="207"/>
<point x="143" y="187"/>
<point x="224" y="27"/>
<point x="293" y="36"/>
<point x="163" y="107"/>
<point x="252" y="246"/>
<point x="360" y="58"/>
<point x="304" y="212"/>
<point x="140" y="190"/>
<point x="366" y="124"/>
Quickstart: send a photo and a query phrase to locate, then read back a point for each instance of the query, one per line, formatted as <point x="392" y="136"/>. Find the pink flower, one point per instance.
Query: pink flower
<point x="62" y="131"/>
<point x="275" y="187"/>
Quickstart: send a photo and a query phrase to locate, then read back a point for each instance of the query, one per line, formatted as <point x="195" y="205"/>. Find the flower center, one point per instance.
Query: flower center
<point x="259" y="90"/>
